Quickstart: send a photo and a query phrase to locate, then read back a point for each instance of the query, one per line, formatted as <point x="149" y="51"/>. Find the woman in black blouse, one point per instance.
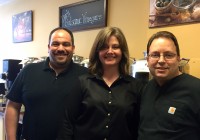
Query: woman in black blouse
<point x="104" y="103"/>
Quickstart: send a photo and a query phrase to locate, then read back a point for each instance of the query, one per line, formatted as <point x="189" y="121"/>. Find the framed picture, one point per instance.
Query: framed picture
<point x="84" y="15"/>
<point x="22" y="27"/>
<point x="171" y="12"/>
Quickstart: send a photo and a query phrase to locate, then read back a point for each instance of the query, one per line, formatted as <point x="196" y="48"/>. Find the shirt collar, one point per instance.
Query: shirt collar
<point x="46" y="66"/>
<point x="127" y="78"/>
<point x="169" y="82"/>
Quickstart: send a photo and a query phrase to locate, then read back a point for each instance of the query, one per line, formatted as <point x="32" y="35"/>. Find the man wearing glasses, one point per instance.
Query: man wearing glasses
<point x="170" y="104"/>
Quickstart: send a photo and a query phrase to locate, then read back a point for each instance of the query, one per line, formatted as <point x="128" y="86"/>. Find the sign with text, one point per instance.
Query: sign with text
<point x="84" y="15"/>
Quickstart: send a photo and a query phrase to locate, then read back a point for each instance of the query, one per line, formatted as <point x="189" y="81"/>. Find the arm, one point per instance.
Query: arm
<point x="11" y="119"/>
<point x="66" y="130"/>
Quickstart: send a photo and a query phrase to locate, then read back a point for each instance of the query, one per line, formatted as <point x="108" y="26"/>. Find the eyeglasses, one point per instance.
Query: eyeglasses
<point x="167" y="56"/>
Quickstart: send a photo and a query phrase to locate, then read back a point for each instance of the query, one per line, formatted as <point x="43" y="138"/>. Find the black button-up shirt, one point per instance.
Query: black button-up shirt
<point x="96" y="111"/>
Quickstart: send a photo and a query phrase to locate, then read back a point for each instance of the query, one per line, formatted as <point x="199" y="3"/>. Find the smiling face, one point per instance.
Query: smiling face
<point x="110" y="55"/>
<point x="164" y="67"/>
<point x="60" y="48"/>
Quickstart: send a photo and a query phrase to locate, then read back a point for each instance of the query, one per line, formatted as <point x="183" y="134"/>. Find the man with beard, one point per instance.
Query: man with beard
<point x="42" y="88"/>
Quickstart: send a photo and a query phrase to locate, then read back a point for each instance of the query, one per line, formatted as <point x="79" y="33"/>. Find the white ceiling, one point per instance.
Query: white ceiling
<point x="2" y="2"/>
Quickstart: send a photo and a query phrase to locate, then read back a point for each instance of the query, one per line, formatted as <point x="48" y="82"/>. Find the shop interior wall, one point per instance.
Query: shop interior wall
<point x="130" y="15"/>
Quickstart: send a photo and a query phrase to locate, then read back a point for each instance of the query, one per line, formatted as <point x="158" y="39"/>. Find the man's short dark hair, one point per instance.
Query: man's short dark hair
<point x="61" y="28"/>
<point x="164" y="34"/>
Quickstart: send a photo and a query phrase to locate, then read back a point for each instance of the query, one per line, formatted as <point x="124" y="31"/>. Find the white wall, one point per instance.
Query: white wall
<point x="45" y="18"/>
<point x="130" y="15"/>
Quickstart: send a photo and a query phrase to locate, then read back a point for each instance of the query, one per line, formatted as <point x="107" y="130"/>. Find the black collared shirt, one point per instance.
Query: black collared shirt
<point x="42" y="93"/>
<point x="99" y="112"/>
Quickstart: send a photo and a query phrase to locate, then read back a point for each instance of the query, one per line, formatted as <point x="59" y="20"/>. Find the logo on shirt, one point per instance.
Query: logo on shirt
<point x="171" y="110"/>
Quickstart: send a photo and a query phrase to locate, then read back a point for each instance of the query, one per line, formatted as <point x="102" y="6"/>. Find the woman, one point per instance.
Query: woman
<point x="104" y="103"/>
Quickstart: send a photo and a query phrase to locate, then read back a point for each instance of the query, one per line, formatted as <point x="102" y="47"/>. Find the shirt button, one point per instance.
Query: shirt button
<point x="105" y="139"/>
<point x="108" y="114"/>
<point x="109" y="102"/>
<point x="110" y="92"/>
<point x="106" y="126"/>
